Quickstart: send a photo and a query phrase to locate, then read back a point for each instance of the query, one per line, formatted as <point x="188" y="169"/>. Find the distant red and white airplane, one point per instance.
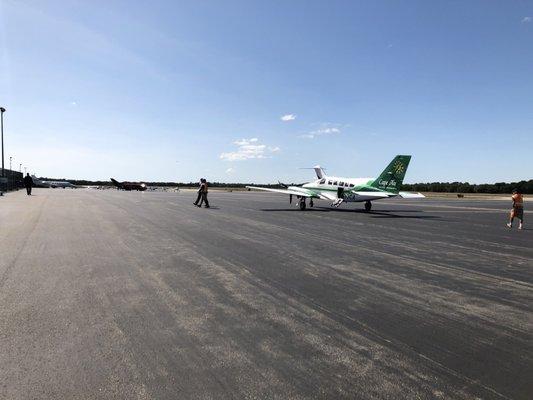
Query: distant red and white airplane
<point x="129" y="185"/>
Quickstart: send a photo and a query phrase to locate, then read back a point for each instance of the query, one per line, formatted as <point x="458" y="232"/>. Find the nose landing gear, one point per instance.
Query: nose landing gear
<point x="368" y="206"/>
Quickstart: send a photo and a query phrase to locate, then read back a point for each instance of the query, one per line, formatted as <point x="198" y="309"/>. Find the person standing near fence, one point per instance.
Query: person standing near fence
<point x="28" y="183"/>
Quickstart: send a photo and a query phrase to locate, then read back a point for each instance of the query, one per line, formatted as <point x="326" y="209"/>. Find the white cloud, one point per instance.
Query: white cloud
<point x="288" y="117"/>
<point x="230" y="170"/>
<point x="526" y="20"/>
<point x="325" y="129"/>
<point x="245" y="142"/>
<point x="249" y="149"/>
<point x="73" y="103"/>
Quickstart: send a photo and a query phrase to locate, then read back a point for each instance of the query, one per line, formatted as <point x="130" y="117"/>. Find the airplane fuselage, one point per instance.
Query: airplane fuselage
<point x="129" y="185"/>
<point x="51" y="184"/>
<point x="59" y="184"/>
<point x="349" y="187"/>
<point x="133" y="186"/>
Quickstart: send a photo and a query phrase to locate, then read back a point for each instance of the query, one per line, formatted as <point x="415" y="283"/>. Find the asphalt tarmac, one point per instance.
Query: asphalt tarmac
<point x="128" y="295"/>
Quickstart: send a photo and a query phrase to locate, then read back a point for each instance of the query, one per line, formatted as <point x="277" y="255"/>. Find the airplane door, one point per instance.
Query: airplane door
<point x="340" y="192"/>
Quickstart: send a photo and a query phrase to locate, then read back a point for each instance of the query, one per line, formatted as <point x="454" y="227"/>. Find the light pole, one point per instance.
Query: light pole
<point x="20" y="167"/>
<point x="10" y="174"/>
<point x="2" y="111"/>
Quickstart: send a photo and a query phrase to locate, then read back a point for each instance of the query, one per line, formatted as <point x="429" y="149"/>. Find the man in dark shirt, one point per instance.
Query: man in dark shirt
<point x="199" y="197"/>
<point x="203" y="192"/>
<point x="28" y="183"/>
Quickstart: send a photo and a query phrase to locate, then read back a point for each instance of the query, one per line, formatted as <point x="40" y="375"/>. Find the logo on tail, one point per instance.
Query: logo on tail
<point x="391" y="178"/>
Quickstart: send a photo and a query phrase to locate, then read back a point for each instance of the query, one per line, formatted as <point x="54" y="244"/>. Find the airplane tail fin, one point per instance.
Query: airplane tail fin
<point x="319" y="171"/>
<point x="391" y="178"/>
<point x="115" y="182"/>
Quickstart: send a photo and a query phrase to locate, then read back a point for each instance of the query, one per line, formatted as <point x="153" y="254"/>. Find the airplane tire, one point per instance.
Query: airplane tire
<point x="311" y="204"/>
<point x="302" y="205"/>
<point x="368" y="206"/>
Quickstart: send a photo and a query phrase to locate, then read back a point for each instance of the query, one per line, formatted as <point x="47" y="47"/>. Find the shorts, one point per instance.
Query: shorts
<point x="518" y="212"/>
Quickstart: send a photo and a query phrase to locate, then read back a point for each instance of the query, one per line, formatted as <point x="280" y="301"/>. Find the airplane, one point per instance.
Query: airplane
<point x="129" y="185"/>
<point x="52" y="184"/>
<point x="347" y="190"/>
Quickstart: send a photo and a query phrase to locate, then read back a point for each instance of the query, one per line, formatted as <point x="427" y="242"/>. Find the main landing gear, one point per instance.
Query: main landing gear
<point x="368" y="206"/>
<point x="302" y="204"/>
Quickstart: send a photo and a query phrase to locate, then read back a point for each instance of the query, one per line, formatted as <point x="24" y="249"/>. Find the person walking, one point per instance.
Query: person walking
<point x="203" y="190"/>
<point x="518" y="209"/>
<point x="28" y="183"/>
<point x="199" y="197"/>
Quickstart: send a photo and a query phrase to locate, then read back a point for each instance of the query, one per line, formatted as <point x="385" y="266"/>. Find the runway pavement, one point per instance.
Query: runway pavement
<point x="128" y="295"/>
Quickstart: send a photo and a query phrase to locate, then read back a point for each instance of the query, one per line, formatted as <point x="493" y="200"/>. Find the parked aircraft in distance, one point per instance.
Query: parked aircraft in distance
<point x="129" y="185"/>
<point x="52" y="184"/>
<point x="339" y="190"/>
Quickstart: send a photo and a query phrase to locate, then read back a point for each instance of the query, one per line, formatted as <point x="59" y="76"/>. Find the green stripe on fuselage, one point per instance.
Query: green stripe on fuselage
<point x="358" y="188"/>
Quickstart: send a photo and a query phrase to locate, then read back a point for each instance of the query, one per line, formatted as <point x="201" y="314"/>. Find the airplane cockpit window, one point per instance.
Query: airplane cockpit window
<point x="352" y="185"/>
<point x="322" y="181"/>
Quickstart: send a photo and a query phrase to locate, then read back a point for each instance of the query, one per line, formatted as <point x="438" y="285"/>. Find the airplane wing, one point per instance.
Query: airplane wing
<point x="327" y="195"/>
<point x="408" y="195"/>
<point x="291" y="191"/>
<point x="377" y="195"/>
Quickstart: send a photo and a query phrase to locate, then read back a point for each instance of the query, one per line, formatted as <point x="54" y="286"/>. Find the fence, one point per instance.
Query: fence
<point x="10" y="180"/>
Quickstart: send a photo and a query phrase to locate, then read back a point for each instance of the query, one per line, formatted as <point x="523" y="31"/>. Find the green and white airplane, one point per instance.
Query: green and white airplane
<point x="341" y="190"/>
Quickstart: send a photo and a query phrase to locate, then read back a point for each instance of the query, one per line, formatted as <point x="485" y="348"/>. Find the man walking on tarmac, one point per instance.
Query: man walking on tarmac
<point x="199" y="197"/>
<point x="203" y="191"/>
<point x="518" y="209"/>
<point x="28" y="183"/>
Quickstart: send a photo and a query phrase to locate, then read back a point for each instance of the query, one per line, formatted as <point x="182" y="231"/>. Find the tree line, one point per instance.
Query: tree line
<point x="85" y="182"/>
<point x="525" y="187"/>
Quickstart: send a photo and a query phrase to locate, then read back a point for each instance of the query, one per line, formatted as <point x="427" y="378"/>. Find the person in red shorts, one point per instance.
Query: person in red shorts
<point x="518" y="209"/>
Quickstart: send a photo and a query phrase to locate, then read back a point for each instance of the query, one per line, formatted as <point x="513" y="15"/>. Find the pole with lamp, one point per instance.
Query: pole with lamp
<point x="2" y="111"/>
<point x="10" y="173"/>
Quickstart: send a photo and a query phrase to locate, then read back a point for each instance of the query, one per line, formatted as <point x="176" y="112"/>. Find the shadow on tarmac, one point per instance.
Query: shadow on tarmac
<point x="373" y="214"/>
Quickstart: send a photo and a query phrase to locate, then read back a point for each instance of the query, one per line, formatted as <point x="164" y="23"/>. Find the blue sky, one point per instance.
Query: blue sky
<point x="176" y="90"/>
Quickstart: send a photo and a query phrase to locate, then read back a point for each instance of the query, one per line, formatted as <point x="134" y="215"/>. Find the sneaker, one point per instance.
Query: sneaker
<point x="207" y="207"/>
<point x="197" y="205"/>
<point x="509" y="225"/>
<point x="520" y="228"/>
